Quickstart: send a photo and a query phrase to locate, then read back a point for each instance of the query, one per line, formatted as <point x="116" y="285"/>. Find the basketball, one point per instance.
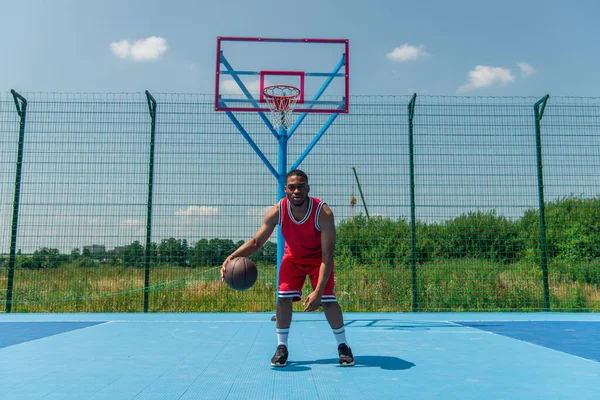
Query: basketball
<point x="240" y="273"/>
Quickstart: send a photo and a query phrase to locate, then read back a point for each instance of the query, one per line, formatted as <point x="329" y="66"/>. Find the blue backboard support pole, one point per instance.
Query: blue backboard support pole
<point x="282" y="169"/>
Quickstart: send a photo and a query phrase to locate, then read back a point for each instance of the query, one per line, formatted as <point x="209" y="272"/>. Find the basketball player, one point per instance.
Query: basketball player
<point x="308" y="228"/>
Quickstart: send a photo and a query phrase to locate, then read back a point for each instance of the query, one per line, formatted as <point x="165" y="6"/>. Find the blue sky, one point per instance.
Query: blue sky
<point x="480" y="48"/>
<point x="466" y="48"/>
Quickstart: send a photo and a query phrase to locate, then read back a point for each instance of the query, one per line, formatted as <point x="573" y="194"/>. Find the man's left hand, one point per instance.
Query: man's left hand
<point x="313" y="301"/>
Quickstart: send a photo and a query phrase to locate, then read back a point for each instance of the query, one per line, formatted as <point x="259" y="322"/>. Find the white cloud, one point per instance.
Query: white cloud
<point x="197" y="210"/>
<point x="230" y="86"/>
<point x="485" y="76"/>
<point x="121" y="48"/>
<point x="149" y="49"/>
<point x="526" y="69"/>
<point x="407" y="52"/>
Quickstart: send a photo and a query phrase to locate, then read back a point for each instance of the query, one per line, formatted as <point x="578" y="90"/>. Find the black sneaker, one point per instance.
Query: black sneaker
<point x="280" y="357"/>
<point x="346" y="357"/>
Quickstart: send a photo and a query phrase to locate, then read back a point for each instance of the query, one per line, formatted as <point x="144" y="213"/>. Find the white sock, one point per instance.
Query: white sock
<point x="340" y="335"/>
<point x="282" y="336"/>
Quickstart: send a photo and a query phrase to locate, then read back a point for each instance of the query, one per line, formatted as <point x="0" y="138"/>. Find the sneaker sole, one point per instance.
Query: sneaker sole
<point x="278" y="365"/>
<point x="347" y="364"/>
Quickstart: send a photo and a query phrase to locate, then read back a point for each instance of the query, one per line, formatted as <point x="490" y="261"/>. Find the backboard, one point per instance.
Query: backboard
<point x="320" y="68"/>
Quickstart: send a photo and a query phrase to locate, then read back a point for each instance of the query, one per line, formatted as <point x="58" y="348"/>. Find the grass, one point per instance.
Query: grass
<point x="444" y="285"/>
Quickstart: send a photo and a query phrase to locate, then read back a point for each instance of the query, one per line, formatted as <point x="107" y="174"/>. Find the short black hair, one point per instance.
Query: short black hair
<point x="297" y="172"/>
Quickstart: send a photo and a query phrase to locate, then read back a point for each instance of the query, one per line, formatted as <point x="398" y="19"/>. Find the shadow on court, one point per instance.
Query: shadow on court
<point x="383" y="362"/>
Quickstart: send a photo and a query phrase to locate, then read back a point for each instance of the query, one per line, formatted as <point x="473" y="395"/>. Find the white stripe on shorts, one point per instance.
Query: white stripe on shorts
<point x="289" y="294"/>
<point x="328" y="299"/>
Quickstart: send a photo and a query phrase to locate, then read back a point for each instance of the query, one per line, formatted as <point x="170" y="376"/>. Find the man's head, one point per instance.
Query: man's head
<point x="296" y="187"/>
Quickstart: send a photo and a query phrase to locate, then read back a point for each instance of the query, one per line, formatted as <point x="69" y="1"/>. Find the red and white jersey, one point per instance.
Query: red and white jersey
<point x="302" y="238"/>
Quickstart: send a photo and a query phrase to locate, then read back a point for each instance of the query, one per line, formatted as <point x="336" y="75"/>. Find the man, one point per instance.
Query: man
<point x="308" y="228"/>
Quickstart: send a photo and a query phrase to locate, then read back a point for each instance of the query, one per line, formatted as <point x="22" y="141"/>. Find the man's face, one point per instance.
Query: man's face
<point x="296" y="190"/>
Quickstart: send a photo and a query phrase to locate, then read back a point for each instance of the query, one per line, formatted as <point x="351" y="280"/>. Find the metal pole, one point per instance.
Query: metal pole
<point x="148" y="253"/>
<point x="21" y="105"/>
<point x="539" y="113"/>
<point x="361" y="193"/>
<point x="282" y="172"/>
<point x="413" y="229"/>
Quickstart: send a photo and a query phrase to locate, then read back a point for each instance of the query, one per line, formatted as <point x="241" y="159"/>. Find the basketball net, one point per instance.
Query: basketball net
<point x="281" y="100"/>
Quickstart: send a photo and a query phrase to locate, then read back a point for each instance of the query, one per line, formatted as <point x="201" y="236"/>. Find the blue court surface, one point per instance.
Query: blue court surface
<point x="226" y="356"/>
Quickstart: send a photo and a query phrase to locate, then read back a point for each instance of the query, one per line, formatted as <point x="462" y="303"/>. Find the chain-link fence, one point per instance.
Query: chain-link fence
<point x="131" y="202"/>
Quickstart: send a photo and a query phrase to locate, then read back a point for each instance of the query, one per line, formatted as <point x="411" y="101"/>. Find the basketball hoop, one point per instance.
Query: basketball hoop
<point x="281" y="100"/>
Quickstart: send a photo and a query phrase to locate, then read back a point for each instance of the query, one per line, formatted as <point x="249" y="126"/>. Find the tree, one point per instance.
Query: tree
<point x="45" y="258"/>
<point x="199" y="253"/>
<point x="133" y="255"/>
<point x="218" y="250"/>
<point x="173" y="251"/>
<point x="75" y="254"/>
<point x="267" y="254"/>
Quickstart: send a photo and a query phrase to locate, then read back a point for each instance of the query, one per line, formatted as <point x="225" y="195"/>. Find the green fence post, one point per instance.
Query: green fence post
<point x="539" y="108"/>
<point x="148" y="253"/>
<point x="21" y="105"/>
<point x="413" y="229"/>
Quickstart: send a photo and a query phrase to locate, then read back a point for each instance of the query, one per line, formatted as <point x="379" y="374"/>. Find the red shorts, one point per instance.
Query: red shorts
<point x="292" y="274"/>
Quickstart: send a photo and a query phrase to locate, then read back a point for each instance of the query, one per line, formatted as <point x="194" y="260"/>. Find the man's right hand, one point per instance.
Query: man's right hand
<point x="224" y="266"/>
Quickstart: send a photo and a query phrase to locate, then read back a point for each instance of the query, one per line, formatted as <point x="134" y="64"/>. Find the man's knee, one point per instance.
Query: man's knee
<point x="331" y="305"/>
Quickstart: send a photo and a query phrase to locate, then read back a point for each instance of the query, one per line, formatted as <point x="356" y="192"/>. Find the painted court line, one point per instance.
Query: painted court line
<point x="543" y="341"/>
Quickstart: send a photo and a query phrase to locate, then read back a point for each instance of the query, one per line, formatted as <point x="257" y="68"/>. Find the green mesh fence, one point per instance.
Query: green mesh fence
<point x="457" y="203"/>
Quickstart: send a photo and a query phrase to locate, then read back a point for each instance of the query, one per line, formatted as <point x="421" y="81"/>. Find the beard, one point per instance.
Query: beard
<point x="298" y="202"/>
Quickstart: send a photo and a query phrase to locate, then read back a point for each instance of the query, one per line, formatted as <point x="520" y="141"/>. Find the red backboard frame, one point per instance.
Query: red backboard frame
<point x="346" y="101"/>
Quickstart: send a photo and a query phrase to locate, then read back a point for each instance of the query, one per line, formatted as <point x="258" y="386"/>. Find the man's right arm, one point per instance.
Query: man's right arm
<point x="258" y="240"/>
